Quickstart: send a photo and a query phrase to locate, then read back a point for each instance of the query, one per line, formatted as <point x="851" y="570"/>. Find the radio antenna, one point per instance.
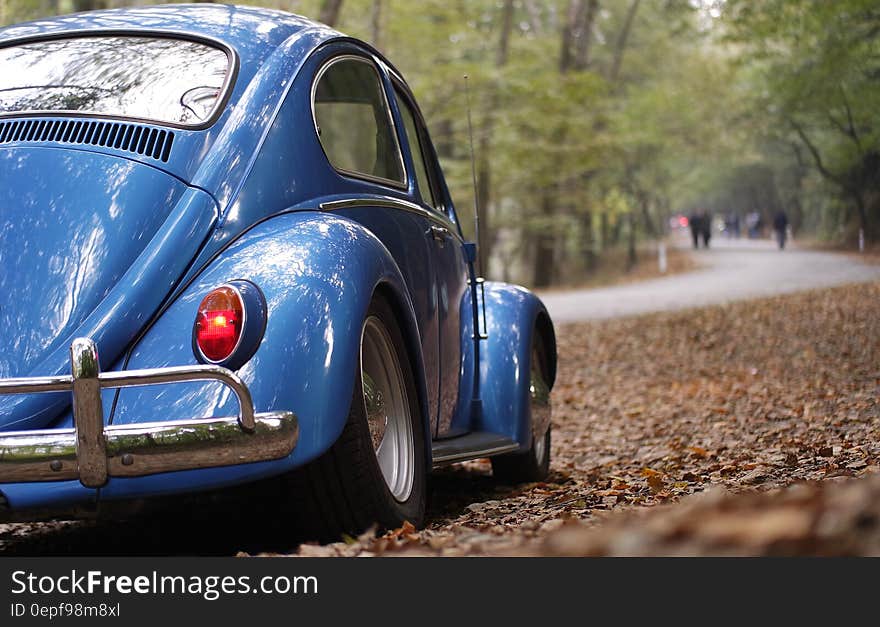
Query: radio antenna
<point x="479" y="255"/>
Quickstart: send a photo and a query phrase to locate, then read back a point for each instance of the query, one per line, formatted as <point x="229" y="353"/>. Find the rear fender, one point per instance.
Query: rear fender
<point x="513" y="315"/>
<point x="318" y="273"/>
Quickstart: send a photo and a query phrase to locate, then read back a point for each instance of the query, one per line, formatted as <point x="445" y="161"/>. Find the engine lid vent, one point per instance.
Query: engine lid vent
<point x="135" y="138"/>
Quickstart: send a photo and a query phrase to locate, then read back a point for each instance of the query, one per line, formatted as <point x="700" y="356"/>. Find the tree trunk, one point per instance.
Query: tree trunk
<point x="863" y="213"/>
<point x="88" y="5"/>
<point x="578" y="23"/>
<point x="631" y="257"/>
<point x="330" y="12"/>
<point x="614" y="240"/>
<point x="665" y="215"/>
<point x="504" y="38"/>
<point x="584" y="36"/>
<point x="376" y="23"/>
<point x="443" y="138"/>
<point x="573" y="17"/>
<point x="484" y="165"/>
<point x="604" y="230"/>
<point x="645" y="205"/>
<point x="588" y="249"/>
<point x="853" y="191"/>
<point x="545" y="245"/>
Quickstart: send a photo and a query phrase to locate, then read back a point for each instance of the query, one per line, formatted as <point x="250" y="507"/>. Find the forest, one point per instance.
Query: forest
<point x="597" y="121"/>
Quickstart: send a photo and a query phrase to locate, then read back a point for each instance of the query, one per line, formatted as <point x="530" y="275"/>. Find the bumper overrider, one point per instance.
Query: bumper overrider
<point x="93" y="452"/>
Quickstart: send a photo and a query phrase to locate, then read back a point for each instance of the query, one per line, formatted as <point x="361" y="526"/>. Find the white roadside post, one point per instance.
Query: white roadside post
<point x="661" y="257"/>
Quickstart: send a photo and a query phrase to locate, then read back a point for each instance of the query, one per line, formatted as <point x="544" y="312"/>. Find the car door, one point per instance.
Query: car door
<point x="450" y="269"/>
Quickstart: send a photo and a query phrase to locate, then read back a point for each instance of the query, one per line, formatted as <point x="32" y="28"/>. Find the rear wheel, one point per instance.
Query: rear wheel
<point x="534" y="464"/>
<point x="375" y="472"/>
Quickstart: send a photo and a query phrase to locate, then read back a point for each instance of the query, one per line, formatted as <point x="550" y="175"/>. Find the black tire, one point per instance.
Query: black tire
<point x="533" y="464"/>
<point x="523" y="467"/>
<point x="344" y="490"/>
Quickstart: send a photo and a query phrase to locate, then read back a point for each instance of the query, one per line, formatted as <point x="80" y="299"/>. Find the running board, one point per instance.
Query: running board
<point x="471" y="446"/>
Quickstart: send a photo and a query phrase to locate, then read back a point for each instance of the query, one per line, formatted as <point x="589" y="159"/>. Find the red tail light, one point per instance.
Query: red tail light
<point x="219" y="323"/>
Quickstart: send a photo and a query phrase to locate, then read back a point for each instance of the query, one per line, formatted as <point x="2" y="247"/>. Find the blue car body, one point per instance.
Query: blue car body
<point x="119" y="240"/>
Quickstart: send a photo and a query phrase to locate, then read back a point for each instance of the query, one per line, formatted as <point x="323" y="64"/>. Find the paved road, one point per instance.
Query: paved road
<point x="732" y="270"/>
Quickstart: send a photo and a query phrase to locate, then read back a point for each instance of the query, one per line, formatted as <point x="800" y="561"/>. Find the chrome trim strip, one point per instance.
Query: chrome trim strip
<point x="149" y="448"/>
<point x="146" y="376"/>
<point x="178" y="374"/>
<point x="392" y="203"/>
<point x="472" y="445"/>
<point x="32" y="385"/>
<point x="462" y="456"/>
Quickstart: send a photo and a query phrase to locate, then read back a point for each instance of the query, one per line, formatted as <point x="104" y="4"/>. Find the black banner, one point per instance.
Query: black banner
<point x="237" y="591"/>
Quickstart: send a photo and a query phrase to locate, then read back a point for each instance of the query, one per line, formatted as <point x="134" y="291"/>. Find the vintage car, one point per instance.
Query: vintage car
<point x="241" y="212"/>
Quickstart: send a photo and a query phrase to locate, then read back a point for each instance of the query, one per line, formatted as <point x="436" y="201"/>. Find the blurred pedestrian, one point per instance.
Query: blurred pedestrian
<point x="700" y="222"/>
<point x="736" y="224"/>
<point x="695" y="222"/>
<point x="728" y="225"/>
<point x="706" y="227"/>
<point x="753" y="221"/>
<point x="780" y="225"/>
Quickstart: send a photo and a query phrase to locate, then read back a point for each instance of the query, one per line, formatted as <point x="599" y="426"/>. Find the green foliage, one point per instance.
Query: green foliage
<point x="811" y="69"/>
<point x="737" y="105"/>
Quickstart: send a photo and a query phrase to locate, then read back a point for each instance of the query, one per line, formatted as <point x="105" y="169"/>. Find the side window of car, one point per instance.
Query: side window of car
<point x="423" y="180"/>
<point x="353" y="121"/>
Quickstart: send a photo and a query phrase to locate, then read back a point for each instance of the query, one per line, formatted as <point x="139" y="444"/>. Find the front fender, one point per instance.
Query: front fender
<point x="513" y="315"/>
<point x="318" y="273"/>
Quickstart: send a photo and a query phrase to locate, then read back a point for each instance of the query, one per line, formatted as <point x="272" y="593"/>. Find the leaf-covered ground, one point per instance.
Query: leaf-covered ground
<point x="740" y="429"/>
<point x="753" y="396"/>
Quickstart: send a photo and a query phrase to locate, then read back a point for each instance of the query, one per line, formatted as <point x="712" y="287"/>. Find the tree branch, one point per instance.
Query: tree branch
<point x="817" y="158"/>
<point x="853" y="133"/>
<point x="840" y="126"/>
<point x="622" y="38"/>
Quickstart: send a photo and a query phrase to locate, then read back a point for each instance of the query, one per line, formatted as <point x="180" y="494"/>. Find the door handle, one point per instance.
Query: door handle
<point x="439" y="233"/>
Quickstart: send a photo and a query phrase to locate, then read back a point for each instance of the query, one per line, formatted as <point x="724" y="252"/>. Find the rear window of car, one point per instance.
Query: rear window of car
<point x="162" y="79"/>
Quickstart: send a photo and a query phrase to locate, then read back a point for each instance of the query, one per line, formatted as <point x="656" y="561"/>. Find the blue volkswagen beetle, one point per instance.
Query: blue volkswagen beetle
<point x="228" y="253"/>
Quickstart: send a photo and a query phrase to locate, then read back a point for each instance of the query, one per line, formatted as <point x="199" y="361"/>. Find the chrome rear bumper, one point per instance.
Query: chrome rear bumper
<point x="92" y="452"/>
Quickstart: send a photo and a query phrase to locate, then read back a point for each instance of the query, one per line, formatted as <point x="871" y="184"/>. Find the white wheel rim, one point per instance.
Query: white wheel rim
<point x="387" y="408"/>
<point x="540" y="448"/>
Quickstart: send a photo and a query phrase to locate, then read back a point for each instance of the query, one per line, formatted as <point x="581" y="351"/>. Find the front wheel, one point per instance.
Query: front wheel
<point x="375" y="473"/>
